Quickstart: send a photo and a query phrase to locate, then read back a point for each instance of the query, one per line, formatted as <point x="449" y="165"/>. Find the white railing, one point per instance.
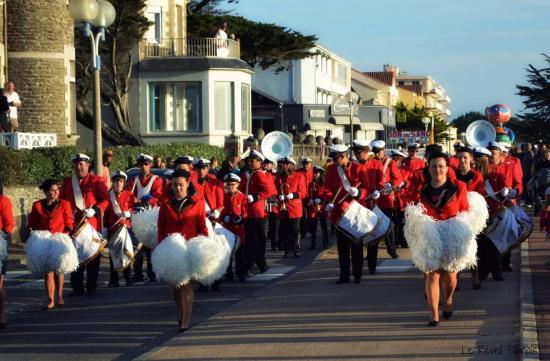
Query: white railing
<point x="18" y="141"/>
<point x="168" y="47"/>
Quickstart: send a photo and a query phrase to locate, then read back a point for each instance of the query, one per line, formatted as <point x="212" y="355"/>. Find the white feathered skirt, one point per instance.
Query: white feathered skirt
<point x="202" y="259"/>
<point x="47" y="252"/>
<point x="144" y="225"/>
<point x="448" y="245"/>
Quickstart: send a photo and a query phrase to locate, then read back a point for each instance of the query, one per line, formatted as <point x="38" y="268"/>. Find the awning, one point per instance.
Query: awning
<point x="343" y="120"/>
<point x="319" y="126"/>
<point x="372" y="126"/>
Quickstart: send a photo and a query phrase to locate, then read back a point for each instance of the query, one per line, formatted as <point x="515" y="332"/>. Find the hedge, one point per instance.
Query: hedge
<point x="31" y="167"/>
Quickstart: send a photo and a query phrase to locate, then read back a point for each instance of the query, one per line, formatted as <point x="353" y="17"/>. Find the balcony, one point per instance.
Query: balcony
<point x="190" y="47"/>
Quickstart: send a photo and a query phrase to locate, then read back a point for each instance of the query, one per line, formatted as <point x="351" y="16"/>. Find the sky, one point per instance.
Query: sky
<point x="476" y="49"/>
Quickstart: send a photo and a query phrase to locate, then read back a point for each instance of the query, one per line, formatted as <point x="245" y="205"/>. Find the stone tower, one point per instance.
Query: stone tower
<point x="41" y="62"/>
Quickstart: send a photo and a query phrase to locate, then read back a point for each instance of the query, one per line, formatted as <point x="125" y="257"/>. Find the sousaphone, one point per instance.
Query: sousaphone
<point x="276" y="145"/>
<point x="480" y="133"/>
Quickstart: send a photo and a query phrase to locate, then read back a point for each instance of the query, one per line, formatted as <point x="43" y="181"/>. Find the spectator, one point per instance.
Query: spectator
<point x="4" y="108"/>
<point x="14" y="102"/>
<point x="157" y="162"/>
<point x="527" y="159"/>
<point x="221" y="40"/>
<point x="214" y="165"/>
<point x="539" y="157"/>
<point x="170" y="164"/>
<point x="107" y="161"/>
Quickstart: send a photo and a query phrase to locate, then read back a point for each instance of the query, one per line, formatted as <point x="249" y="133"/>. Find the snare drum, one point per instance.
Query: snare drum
<point x="503" y="230"/>
<point x="357" y="221"/>
<point x="383" y="227"/>
<point x="88" y="243"/>
<point x="121" y="249"/>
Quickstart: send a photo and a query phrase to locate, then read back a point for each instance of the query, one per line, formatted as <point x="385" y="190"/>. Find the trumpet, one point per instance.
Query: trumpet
<point x="284" y="208"/>
<point x="313" y="193"/>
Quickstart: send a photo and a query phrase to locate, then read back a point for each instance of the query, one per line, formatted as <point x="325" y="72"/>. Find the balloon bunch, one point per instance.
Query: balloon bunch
<point x="500" y="114"/>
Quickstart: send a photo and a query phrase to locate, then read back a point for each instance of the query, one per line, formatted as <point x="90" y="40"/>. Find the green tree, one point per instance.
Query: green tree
<point x="461" y="122"/>
<point x="537" y="94"/>
<point x="262" y="44"/>
<point x="121" y="38"/>
<point x="413" y="120"/>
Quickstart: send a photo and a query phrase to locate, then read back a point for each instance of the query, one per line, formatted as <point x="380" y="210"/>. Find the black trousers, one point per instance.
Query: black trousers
<point x="303" y="222"/>
<point x="138" y="263"/>
<point x="489" y="258"/>
<point x="389" y="240"/>
<point x="256" y="238"/>
<point x="92" y="274"/>
<point x="289" y="234"/>
<point x="114" y="274"/>
<point x="372" y="247"/>
<point x="273" y="228"/>
<point x="312" y="229"/>
<point x="346" y="247"/>
<point x="399" y="224"/>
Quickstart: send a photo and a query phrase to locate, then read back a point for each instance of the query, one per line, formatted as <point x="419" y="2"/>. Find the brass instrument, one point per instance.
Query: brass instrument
<point x="284" y="208"/>
<point x="314" y="192"/>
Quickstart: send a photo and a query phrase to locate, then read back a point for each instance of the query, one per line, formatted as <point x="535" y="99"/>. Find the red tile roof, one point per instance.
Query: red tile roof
<point x="415" y="88"/>
<point x="382" y="76"/>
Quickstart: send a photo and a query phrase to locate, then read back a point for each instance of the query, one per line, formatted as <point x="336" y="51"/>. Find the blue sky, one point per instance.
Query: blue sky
<point x="478" y="50"/>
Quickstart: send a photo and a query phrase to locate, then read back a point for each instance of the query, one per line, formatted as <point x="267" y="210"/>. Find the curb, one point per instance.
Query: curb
<point x="528" y="317"/>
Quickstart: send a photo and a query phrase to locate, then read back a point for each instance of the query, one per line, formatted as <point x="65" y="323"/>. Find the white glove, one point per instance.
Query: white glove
<point x="375" y="195"/>
<point x="290" y="196"/>
<point x="513" y="193"/>
<point x="281" y="197"/>
<point x="311" y="202"/>
<point x="88" y="212"/>
<point x="505" y="191"/>
<point x="209" y="213"/>
<point x="250" y="198"/>
<point x="317" y="200"/>
<point x="353" y="191"/>
<point x="388" y="187"/>
<point x="216" y="214"/>
<point x="226" y="219"/>
<point x="329" y="207"/>
<point x="127" y="214"/>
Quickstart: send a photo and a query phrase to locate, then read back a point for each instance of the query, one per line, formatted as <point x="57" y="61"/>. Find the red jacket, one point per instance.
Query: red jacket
<point x="94" y="192"/>
<point x="413" y="164"/>
<point x="372" y="176"/>
<point x="190" y="221"/>
<point x="454" y="200"/>
<point x="235" y="206"/>
<point x="501" y="176"/>
<point x="473" y="180"/>
<point x="260" y="186"/>
<point x="156" y="188"/>
<point x="391" y="175"/>
<point x="517" y="182"/>
<point x="417" y="181"/>
<point x="295" y="184"/>
<point x="308" y="177"/>
<point x="316" y="191"/>
<point x="333" y="185"/>
<point x="58" y="220"/>
<point x="454" y="163"/>
<point x="213" y="191"/>
<point x="126" y="203"/>
<point x="7" y="222"/>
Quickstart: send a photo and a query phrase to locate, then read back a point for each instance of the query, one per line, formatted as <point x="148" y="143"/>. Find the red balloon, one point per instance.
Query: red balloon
<point x="498" y="113"/>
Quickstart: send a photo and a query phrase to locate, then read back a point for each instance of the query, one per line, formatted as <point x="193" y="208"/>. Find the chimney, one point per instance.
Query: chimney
<point x="395" y="73"/>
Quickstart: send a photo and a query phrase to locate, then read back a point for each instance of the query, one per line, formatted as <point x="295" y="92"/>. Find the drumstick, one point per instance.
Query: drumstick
<point x="346" y="196"/>
<point x="80" y="223"/>
<point x="336" y="196"/>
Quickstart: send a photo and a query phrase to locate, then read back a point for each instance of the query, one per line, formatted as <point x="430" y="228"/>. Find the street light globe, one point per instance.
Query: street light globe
<point x="106" y="14"/>
<point x="426" y="120"/>
<point x="352" y="97"/>
<point x="83" y="10"/>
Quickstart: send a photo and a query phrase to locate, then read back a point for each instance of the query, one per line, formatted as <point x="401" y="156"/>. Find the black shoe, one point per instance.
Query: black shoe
<point x="264" y="269"/>
<point x="297" y="255"/>
<point x="357" y="280"/>
<point x="202" y="288"/>
<point x="183" y="329"/>
<point x="432" y="323"/>
<point x="393" y="254"/>
<point x="254" y="270"/>
<point x="498" y="277"/>
<point x="372" y="271"/>
<point x="241" y="278"/>
<point x="76" y="294"/>
<point x="152" y="277"/>
<point x="477" y="286"/>
<point x="137" y="279"/>
<point x="340" y="281"/>
<point x="447" y="314"/>
<point x="129" y="282"/>
<point x="113" y="284"/>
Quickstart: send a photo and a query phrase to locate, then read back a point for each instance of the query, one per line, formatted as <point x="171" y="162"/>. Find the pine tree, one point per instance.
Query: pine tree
<point x="537" y="102"/>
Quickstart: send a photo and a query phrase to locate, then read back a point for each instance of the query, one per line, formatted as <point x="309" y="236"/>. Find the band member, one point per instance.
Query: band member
<point x="412" y="162"/>
<point x="307" y="173"/>
<point x="7" y="224"/>
<point x="212" y="188"/>
<point x="453" y="161"/>
<point x="271" y="209"/>
<point x="184" y="163"/>
<point x="316" y="212"/>
<point x="341" y="187"/>
<point x="258" y="187"/>
<point x="442" y="198"/>
<point x="399" y="203"/>
<point x="392" y="179"/>
<point x="181" y="214"/>
<point x="54" y="215"/>
<point x="291" y="187"/>
<point x="119" y="211"/>
<point x="88" y="197"/>
<point x="233" y="216"/>
<point x="147" y="191"/>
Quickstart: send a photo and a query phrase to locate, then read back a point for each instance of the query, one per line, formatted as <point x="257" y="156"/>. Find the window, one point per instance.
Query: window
<point x="175" y="107"/>
<point x="224" y="105"/>
<point x="245" y="107"/>
<point x="401" y="82"/>
<point x="341" y="74"/>
<point x="154" y="15"/>
<point x="415" y="82"/>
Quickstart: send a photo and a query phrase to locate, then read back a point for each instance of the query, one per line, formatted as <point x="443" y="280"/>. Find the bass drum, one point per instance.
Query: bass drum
<point x="88" y="243"/>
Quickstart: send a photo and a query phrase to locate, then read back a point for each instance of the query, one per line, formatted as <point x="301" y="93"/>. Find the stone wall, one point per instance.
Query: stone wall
<point x="22" y="199"/>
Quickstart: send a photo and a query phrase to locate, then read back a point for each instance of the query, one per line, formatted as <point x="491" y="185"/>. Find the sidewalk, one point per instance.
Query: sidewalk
<point x="539" y="255"/>
<point x="305" y="316"/>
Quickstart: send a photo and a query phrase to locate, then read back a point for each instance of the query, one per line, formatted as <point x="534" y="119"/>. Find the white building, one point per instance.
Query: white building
<point x="436" y="99"/>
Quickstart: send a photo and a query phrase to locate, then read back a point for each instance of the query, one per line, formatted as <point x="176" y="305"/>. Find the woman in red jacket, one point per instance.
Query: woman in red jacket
<point x="54" y="215"/>
<point x="443" y="198"/>
<point x="6" y="226"/>
<point x="182" y="214"/>
<point x="315" y="209"/>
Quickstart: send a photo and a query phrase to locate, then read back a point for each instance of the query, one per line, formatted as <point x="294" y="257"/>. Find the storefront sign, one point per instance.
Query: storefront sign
<point x="409" y="136"/>
<point x="340" y="106"/>
<point x="317" y="113"/>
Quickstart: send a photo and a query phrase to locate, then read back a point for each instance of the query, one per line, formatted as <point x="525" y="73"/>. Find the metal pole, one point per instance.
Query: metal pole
<point x="98" y="147"/>
<point x="350" y="123"/>
<point x="432" y="136"/>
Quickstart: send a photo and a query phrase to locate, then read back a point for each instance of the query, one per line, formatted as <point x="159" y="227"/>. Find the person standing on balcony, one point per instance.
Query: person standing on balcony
<point x="221" y="40"/>
<point x="14" y="102"/>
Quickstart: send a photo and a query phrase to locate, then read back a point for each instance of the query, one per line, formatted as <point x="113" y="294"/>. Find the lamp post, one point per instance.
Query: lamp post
<point x="352" y="98"/>
<point x="426" y="121"/>
<point x="100" y="14"/>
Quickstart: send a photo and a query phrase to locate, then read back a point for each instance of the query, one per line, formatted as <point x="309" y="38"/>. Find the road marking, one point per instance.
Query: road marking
<point x="394" y="265"/>
<point x="271" y="274"/>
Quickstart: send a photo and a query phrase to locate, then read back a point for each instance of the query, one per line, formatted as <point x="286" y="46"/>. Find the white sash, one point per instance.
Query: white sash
<point x="248" y="179"/>
<point x="77" y="193"/>
<point x="343" y="178"/>
<point x="143" y="191"/>
<point x="114" y="203"/>
<point x="386" y="164"/>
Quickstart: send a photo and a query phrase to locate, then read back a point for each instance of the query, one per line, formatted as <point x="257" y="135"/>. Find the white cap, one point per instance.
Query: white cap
<point x="144" y="158"/>
<point x="201" y="162"/>
<point x="361" y="143"/>
<point x="231" y="177"/>
<point x="380" y="144"/>
<point x="306" y="160"/>
<point x="458" y="144"/>
<point x="338" y="148"/>
<point x="286" y="160"/>
<point x="80" y="157"/>
<point x="397" y="153"/>
<point x="497" y="145"/>
<point x="118" y="174"/>
<point x="478" y="151"/>
<point x="256" y="154"/>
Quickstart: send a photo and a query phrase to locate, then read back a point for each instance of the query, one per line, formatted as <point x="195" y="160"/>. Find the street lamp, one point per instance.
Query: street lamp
<point x="352" y="98"/>
<point x="101" y="14"/>
<point x="426" y="121"/>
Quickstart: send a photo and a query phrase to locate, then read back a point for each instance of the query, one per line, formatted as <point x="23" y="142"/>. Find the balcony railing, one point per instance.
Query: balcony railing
<point x="199" y="47"/>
